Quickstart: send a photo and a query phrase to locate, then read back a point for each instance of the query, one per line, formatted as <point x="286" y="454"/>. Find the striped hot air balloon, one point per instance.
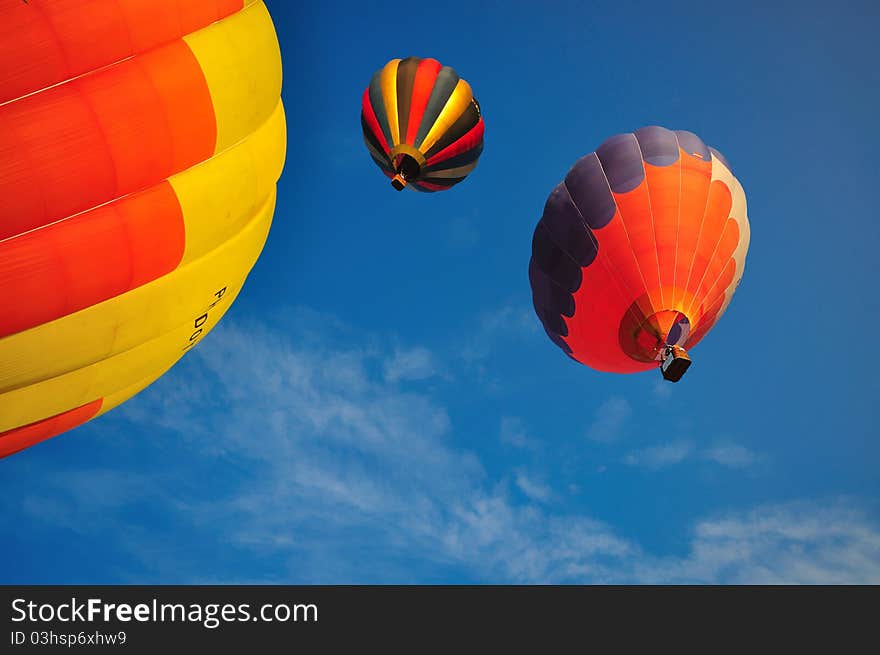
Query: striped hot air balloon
<point x="140" y="145"/>
<point x="422" y="124"/>
<point x="639" y="251"/>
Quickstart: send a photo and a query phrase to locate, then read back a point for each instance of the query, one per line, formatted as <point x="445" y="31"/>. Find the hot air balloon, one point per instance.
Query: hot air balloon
<point x="639" y="251"/>
<point x="140" y="145"/>
<point x="422" y="124"/>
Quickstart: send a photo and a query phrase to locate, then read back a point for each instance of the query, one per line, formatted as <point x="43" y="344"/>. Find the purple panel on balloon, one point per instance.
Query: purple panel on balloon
<point x="622" y="162"/>
<point x="658" y="145"/>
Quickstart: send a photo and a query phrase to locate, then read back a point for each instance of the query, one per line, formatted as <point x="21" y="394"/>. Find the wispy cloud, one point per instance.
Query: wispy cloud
<point x="657" y="457"/>
<point x="325" y="471"/>
<point x="410" y="364"/>
<point x="609" y="420"/>
<point x="504" y="322"/>
<point x="727" y="454"/>
<point x="731" y="455"/>
<point x="533" y="488"/>
<point x="514" y="433"/>
<point x="790" y="543"/>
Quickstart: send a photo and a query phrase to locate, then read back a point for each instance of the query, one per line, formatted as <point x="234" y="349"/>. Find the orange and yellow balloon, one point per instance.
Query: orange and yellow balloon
<point x="140" y="146"/>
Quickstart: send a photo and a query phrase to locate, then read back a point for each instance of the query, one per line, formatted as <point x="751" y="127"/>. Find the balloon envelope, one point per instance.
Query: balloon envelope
<point x="641" y="246"/>
<point x="422" y="125"/>
<point x="140" y="145"/>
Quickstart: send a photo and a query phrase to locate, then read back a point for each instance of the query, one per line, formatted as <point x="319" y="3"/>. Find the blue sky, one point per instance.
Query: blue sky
<point x="381" y="405"/>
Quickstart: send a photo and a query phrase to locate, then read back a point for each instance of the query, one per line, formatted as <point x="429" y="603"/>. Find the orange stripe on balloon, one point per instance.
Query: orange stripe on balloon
<point x="89" y="258"/>
<point x="718" y="208"/>
<point x="634" y="208"/>
<point x="663" y="186"/>
<point x="44" y="42"/>
<point x="707" y="313"/>
<point x="426" y="75"/>
<point x="616" y="254"/>
<point x="723" y="254"/>
<point x="696" y="175"/>
<point x="12" y="441"/>
<point x="120" y="130"/>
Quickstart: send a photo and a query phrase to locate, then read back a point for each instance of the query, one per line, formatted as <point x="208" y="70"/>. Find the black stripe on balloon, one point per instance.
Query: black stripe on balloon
<point x="622" y="162"/>
<point x="444" y="85"/>
<point x="461" y="159"/>
<point x="692" y="144"/>
<point x="555" y="338"/>
<point x="379" y="106"/>
<point x="549" y="294"/>
<point x="551" y="321"/>
<point x="369" y="136"/>
<point x="658" y="145"/>
<point x="406" y="77"/>
<point x="444" y="181"/>
<point x="553" y="261"/>
<point x="550" y="318"/>
<point x="567" y="229"/>
<point x="382" y="163"/>
<point x="588" y="189"/>
<point x="463" y="124"/>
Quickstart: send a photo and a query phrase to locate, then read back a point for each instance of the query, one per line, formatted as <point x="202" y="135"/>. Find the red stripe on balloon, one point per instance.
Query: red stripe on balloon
<point x="46" y="42"/>
<point x="431" y="187"/>
<point x="84" y="260"/>
<point x="426" y="75"/>
<point x="101" y="136"/>
<point x="373" y="122"/>
<point x="26" y="436"/>
<point x="471" y="139"/>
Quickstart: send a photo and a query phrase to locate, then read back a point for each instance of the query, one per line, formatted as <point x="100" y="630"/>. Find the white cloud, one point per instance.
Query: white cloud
<point x="504" y="322"/>
<point x="728" y="454"/>
<point x="533" y="488"/>
<point x="731" y="455"/>
<point x="609" y="420"/>
<point x="791" y="543"/>
<point x="513" y="432"/>
<point x="657" y="457"/>
<point x="410" y="364"/>
<point x="326" y="472"/>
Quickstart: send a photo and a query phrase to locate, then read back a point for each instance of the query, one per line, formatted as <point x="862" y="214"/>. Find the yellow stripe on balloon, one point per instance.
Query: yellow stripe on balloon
<point x="241" y="60"/>
<point x="101" y="349"/>
<point x="455" y="106"/>
<point x="112" y="377"/>
<point x="388" y="82"/>
<point x="218" y="196"/>
<point x="118" y="397"/>
<point x="158" y="359"/>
